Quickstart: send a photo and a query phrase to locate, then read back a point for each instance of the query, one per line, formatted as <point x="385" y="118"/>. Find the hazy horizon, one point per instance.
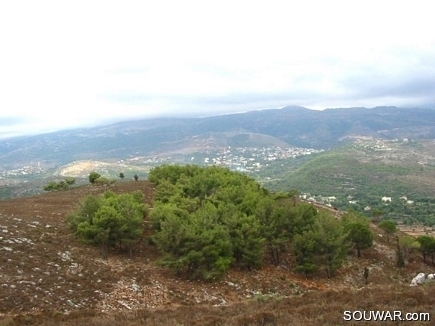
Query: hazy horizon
<point x="69" y="66"/>
<point x="187" y="116"/>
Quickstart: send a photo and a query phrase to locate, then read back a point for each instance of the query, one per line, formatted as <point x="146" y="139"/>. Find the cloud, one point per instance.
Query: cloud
<point x="11" y="121"/>
<point x="66" y="65"/>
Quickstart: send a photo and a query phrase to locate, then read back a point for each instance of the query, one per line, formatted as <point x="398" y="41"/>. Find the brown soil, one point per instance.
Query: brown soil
<point x="417" y="231"/>
<point x="46" y="276"/>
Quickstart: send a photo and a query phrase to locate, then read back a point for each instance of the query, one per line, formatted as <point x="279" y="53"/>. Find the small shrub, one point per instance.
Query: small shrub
<point x="93" y="176"/>
<point x="261" y="297"/>
<point x="70" y="181"/>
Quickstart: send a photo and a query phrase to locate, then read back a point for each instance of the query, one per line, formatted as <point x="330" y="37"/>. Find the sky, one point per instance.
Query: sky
<point x="68" y="64"/>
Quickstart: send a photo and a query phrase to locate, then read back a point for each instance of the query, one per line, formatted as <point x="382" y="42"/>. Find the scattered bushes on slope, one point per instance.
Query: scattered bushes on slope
<point x="61" y="185"/>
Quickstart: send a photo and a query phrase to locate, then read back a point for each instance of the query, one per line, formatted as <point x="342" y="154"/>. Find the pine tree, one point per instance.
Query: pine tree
<point x="358" y="230"/>
<point x="399" y="255"/>
<point x="324" y="247"/>
<point x="389" y="227"/>
<point x="109" y="220"/>
<point x="427" y="246"/>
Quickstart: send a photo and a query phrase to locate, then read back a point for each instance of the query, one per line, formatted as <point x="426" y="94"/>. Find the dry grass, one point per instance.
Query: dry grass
<point x="312" y="308"/>
<point x="41" y="284"/>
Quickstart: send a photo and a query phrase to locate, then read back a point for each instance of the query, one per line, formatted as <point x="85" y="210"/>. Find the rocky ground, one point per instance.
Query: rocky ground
<point x="44" y="268"/>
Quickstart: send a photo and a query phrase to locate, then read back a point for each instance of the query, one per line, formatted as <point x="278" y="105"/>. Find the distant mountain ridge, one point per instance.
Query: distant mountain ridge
<point x="294" y="126"/>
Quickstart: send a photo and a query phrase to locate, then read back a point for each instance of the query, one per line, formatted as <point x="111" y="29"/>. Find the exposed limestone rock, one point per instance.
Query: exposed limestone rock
<point x="419" y="279"/>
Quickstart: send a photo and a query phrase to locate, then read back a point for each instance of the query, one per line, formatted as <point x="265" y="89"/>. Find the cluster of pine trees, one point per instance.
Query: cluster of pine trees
<point x="206" y="220"/>
<point x="109" y="220"/>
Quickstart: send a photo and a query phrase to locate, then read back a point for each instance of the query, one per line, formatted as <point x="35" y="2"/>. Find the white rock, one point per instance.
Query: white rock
<point x="431" y="276"/>
<point x="419" y="279"/>
<point x="65" y="255"/>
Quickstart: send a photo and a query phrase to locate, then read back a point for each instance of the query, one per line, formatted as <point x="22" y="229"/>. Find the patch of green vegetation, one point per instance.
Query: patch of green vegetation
<point x="360" y="178"/>
<point x="61" y="185"/>
<point x="208" y="219"/>
<point x="109" y="220"/>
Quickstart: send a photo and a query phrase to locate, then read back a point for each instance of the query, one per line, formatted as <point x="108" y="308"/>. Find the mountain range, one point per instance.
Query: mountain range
<point x="289" y="126"/>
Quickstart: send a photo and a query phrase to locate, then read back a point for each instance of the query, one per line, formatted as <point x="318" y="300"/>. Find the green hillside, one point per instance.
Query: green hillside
<point x="359" y="176"/>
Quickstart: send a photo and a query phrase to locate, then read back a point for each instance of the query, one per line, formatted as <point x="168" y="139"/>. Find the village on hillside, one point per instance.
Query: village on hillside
<point x="241" y="159"/>
<point x="22" y="171"/>
<point x="252" y="159"/>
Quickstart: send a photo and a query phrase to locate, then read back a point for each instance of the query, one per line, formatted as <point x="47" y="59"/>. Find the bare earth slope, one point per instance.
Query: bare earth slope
<point x="47" y="277"/>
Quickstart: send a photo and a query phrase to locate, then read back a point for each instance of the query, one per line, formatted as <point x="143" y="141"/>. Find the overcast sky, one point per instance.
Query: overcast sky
<point x="80" y="63"/>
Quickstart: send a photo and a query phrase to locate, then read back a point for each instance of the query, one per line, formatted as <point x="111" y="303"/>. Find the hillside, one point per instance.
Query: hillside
<point x="47" y="277"/>
<point x="360" y="174"/>
<point x="270" y="141"/>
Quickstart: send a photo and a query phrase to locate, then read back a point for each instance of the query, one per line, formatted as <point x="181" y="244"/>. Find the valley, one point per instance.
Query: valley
<point x="393" y="177"/>
<point x="357" y="174"/>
